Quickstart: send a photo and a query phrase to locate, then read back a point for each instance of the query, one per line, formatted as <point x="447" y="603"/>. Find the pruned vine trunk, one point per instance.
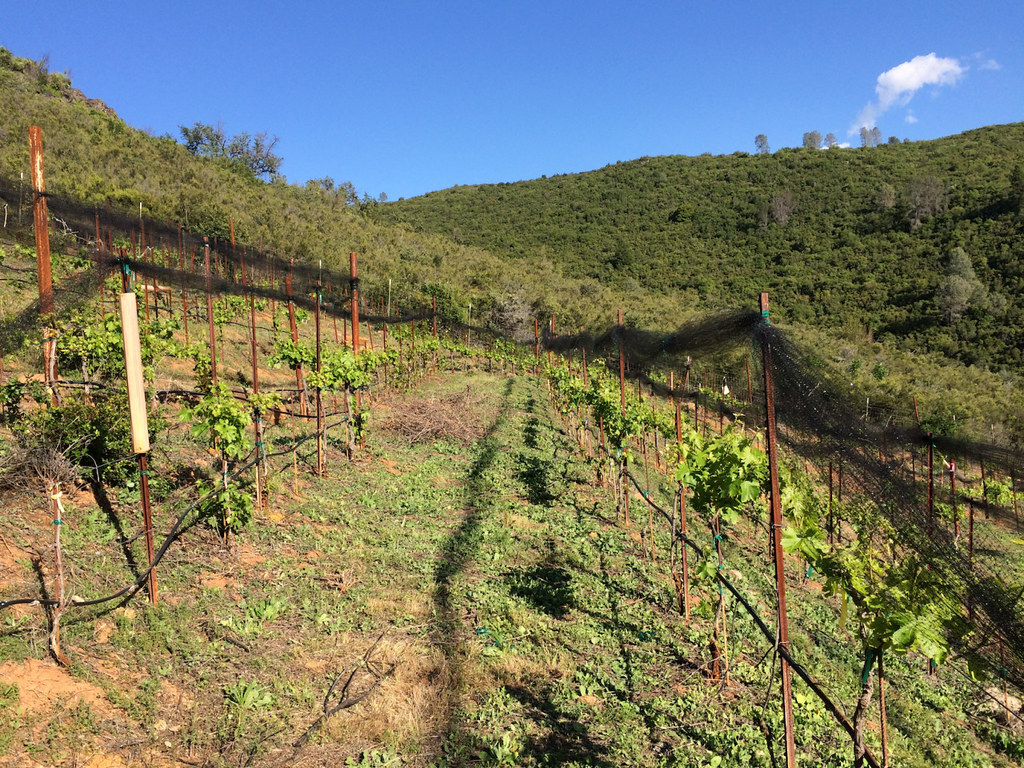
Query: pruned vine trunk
<point x="863" y="702"/>
<point x="59" y="608"/>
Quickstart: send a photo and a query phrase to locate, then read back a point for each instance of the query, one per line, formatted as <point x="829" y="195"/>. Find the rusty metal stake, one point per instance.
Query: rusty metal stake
<point x="952" y="502"/>
<point x="536" y="344"/>
<point x="882" y="717"/>
<point x="931" y="482"/>
<point x="622" y="398"/>
<point x="831" y="521"/>
<point x="1013" y="490"/>
<point x="41" y="225"/>
<point x="776" y="521"/>
<point x="354" y="286"/>
<point x="984" y="488"/>
<point x="319" y="391"/>
<point x="147" y="521"/>
<point x="300" y="382"/>
<point x="209" y="311"/>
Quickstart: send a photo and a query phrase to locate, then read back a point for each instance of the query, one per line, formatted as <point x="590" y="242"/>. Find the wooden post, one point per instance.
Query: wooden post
<point x="41" y="225"/>
<point x="776" y="521"/>
<point x="139" y="420"/>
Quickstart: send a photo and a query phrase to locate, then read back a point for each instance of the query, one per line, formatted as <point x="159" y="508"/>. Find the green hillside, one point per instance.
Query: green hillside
<point x="663" y="239"/>
<point x="92" y="155"/>
<point x="842" y="238"/>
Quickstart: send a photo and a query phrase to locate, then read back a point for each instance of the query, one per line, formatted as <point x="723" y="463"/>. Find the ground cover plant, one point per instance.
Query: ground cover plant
<point x="445" y="599"/>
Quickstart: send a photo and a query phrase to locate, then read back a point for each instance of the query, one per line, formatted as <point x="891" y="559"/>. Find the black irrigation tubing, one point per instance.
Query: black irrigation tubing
<point x="169" y="539"/>
<point x="310" y="417"/>
<point x="27" y="270"/>
<point x="804" y="675"/>
<point x="241" y="395"/>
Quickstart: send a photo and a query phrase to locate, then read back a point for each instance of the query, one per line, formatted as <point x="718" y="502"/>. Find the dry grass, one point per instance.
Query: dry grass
<point x="407" y="709"/>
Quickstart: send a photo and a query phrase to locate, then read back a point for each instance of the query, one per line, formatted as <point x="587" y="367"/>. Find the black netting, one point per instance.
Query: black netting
<point x="881" y="455"/>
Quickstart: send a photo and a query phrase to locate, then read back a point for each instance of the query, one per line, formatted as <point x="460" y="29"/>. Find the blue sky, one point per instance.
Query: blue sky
<point x="406" y="96"/>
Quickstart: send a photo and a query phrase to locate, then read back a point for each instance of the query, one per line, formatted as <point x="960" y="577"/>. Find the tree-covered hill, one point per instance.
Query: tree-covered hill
<point x="842" y="238"/>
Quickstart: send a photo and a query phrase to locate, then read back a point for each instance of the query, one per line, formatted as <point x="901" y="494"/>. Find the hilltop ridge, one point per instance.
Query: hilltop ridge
<point x="840" y="237"/>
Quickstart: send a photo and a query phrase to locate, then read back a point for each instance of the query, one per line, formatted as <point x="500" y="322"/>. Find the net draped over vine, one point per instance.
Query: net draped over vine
<point x="884" y="465"/>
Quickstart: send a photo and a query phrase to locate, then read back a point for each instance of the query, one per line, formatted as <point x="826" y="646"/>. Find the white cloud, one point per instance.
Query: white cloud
<point x="897" y="86"/>
<point x="911" y="117"/>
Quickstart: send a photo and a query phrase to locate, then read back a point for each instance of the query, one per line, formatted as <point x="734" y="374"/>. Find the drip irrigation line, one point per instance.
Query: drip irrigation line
<point x="243" y="397"/>
<point x="12" y="268"/>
